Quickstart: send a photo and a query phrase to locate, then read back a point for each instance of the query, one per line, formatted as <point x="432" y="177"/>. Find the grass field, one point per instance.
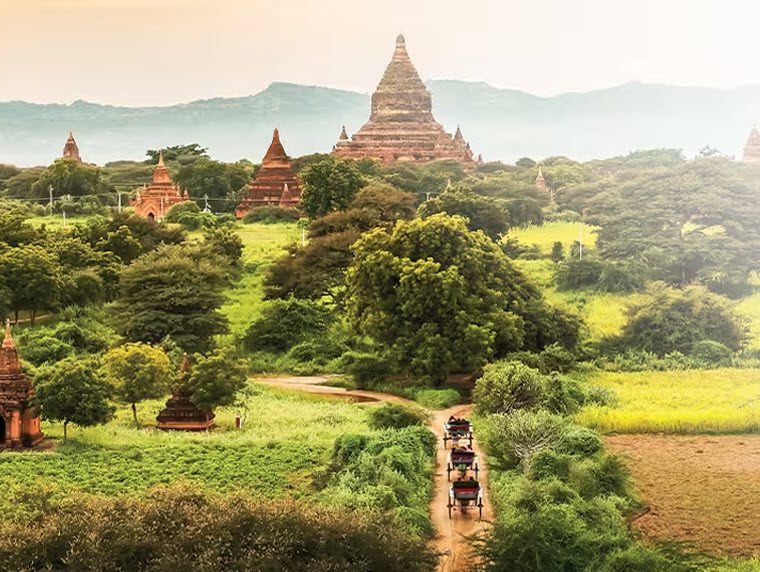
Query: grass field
<point x="262" y="243"/>
<point x="546" y="235"/>
<point x="678" y="402"/>
<point x="285" y="440"/>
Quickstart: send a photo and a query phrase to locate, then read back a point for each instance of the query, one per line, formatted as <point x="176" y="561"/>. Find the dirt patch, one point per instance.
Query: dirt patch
<point x="700" y="489"/>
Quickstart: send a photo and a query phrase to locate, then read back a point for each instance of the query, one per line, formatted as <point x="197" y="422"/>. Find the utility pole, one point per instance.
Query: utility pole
<point x="206" y="207"/>
<point x="50" y="204"/>
<point x="118" y="194"/>
<point x="63" y="212"/>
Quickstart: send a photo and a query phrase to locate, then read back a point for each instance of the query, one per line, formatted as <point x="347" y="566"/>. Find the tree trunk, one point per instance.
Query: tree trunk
<point x="33" y="316"/>
<point x="65" y="427"/>
<point x="16" y="313"/>
<point x="134" y="414"/>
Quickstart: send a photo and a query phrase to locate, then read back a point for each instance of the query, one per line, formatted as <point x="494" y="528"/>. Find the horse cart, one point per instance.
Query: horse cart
<point x="456" y="430"/>
<point x="462" y="459"/>
<point x="465" y="494"/>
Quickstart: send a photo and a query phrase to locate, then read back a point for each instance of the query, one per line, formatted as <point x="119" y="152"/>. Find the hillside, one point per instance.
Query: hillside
<point x="500" y="124"/>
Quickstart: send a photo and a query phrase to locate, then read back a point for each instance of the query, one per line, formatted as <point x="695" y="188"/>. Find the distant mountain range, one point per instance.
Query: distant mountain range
<point x="501" y="124"/>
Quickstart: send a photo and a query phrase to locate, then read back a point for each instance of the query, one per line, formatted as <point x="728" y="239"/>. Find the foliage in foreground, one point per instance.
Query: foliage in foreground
<point x="181" y="528"/>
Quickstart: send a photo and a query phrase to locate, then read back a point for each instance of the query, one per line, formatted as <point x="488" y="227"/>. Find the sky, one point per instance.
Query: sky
<point x="161" y="52"/>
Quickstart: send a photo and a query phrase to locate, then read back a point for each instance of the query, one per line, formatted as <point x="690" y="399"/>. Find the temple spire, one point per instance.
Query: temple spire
<point x="161" y="158"/>
<point x="8" y="342"/>
<point x="343" y="134"/>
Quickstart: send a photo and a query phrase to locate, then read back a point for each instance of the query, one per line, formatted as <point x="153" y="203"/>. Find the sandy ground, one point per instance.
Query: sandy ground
<point x="451" y="541"/>
<point x="701" y="489"/>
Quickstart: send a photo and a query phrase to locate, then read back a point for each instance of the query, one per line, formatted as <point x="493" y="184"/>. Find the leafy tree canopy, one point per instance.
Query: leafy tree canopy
<point x="329" y="185"/>
<point x="215" y="380"/>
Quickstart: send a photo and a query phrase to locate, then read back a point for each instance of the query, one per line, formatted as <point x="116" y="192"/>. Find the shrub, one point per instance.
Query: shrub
<point x="437" y="398"/>
<point x="367" y="369"/>
<point x="189" y="215"/>
<point x="549" y="464"/>
<point x="45" y="349"/>
<point x="601" y="476"/>
<point x="395" y="416"/>
<point x="271" y="215"/>
<point x="637" y="558"/>
<point x="285" y="323"/>
<point x="509" y="386"/>
<point x="710" y="352"/>
<point x="669" y="320"/>
<point x="181" y="528"/>
<point x="574" y="274"/>
<point x="563" y="395"/>
<point x="581" y="441"/>
<point x="515" y="438"/>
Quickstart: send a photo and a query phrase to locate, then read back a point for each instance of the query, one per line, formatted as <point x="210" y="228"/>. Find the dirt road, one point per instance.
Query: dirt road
<point x="451" y="541"/>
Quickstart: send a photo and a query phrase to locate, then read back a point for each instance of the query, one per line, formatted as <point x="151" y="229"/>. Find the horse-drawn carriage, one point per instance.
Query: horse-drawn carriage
<point x="462" y="459"/>
<point x="456" y="430"/>
<point x="465" y="494"/>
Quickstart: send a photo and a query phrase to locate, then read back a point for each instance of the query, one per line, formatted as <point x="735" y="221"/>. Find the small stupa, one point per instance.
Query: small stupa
<point x="71" y="149"/>
<point x="752" y="148"/>
<point x="152" y="202"/>
<point x="19" y="417"/>
<point x="276" y="184"/>
<point x="180" y="413"/>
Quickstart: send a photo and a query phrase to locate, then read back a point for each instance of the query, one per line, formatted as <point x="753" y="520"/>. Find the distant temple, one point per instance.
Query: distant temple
<point x="540" y="181"/>
<point x="19" y="419"/>
<point x="275" y="184"/>
<point x="401" y="126"/>
<point x="154" y="201"/>
<point x="752" y="148"/>
<point x="71" y="150"/>
<point x="181" y="414"/>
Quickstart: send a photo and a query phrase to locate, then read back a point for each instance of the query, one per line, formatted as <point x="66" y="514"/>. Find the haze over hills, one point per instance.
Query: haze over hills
<point x="499" y="123"/>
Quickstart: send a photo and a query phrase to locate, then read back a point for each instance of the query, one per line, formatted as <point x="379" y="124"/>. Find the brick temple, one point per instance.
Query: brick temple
<point x="752" y="148"/>
<point x="180" y="413"/>
<point x="275" y="184"/>
<point x="154" y="200"/>
<point x="401" y="126"/>
<point x="71" y="150"/>
<point x="19" y="421"/>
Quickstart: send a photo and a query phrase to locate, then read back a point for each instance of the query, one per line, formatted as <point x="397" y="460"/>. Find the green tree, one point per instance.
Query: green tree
<point x="70" y="178"/>
<point x="176" y="291"/>
<point x="33" y="277"/>
<point x="486" y="214"/>
<point x="224" y="242"/>
<point x="440" y="297"/>
<point x="667" y="320"/>
<point x="214" y="380"/>
<point x="137" y="372"/>
<point x="218" y="180"/>
<point x="558" y="252"/>
<point x="73" y="391"/>
<point x="329" y="185"/>
<point x="182" y="154"/>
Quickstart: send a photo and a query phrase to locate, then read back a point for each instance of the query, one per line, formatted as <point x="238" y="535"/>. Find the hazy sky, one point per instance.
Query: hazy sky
<point x="136" y="52"/>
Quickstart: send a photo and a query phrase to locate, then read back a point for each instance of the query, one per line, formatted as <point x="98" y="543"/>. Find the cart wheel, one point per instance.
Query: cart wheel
<point x="476" y="472"/>
<point x="448" y="473"/>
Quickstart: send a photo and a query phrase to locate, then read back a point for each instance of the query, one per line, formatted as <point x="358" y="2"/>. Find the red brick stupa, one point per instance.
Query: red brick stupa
<point x="19" y="418"/>
<point x="71" y="150"/>
<point x="752" y="148"/>
<point x="401" y="126"/>
<point x="153" y="201"/>
<point x="181" y="414"/>
<point x="275" y="184"/>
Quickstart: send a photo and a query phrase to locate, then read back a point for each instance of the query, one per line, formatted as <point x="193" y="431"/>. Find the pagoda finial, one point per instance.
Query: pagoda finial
<point x="8" y="342"/>
<point x="276" y="134"/>
<point x="161" y="158"/>
<point x="400" y="41"/>
<point x="343" y="134"/>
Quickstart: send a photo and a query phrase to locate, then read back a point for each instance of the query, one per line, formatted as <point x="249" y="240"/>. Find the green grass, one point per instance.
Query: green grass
<point x="679" y="402"/>
<point x="263" y="243"/>
<point x="56" y="221"/>
<point x="546" y="235"/>
<point x="286" y="439"/>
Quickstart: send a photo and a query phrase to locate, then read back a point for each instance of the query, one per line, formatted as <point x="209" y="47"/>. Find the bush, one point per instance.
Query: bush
<point x="181" y="528"/>
<point x="549" y="464"/>
<point x="437" y="398"/>
<point x="395" y="416"/>
<point x="563" y="395"/>
<point x="601" y="476"/>
<point x="285" y="323"/>
<point x="45" y="349"/>
<point x="367" y="369"/>
<point x="581" y="442"/>
<point x="517" y="437"/>
<point x="271" y="215"/>
<point x="509" y="386"/>
<point x="670" y="320"/>
<point x="710" y="352"/>
<point x="189" y="215"/>
<point x="593" y="272"/>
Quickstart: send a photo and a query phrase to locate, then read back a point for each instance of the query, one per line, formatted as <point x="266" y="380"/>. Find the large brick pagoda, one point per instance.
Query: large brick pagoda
<point x="752" y="148"/>
<point x="154" y="200"/>
<point x="401" y="126"/>
<point x="71" y="149"/>
<point x="275" y="184"/>
<point x="19" y="418"/>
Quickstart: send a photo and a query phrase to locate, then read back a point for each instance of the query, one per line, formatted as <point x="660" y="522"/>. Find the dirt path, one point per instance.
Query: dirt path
<point x="451" y="540"/>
